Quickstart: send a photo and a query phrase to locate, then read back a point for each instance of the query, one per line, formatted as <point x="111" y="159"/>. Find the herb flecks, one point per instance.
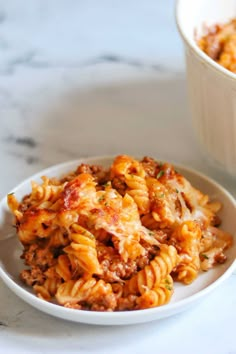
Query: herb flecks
<point x="168" y="287"/>
<point x="203" y="255"/>
<point x="160" y="174"/>
<point x="100" y="199"/>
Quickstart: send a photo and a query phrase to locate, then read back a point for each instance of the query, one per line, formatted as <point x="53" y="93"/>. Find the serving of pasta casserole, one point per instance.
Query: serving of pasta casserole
<point x="117" y="238"/>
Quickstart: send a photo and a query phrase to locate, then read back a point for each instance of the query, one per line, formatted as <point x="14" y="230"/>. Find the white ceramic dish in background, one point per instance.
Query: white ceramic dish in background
<point x="184" y="296"/>
<point x="212" y="88"/>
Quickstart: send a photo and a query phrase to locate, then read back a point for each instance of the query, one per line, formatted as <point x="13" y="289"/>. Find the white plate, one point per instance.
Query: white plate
<point x="184" y="296"/>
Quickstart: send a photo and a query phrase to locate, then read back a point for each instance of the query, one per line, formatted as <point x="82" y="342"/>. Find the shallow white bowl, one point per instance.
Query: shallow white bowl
<point x="211" y="87"/>
<point x="184" y="296"/>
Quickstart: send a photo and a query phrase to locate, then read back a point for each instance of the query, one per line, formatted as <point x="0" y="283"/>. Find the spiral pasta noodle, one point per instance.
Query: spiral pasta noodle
<point x="48" y="289"/>
<point x="63" y="267"/>
<point x="188" y="236"/>
<point x="149" y="222"/>
<point x="83" y="247"/>
<point x="46" y="192"/>
<point x="157" y="296"/>
<point x="90" y="290"/>
<point x="137" y="189"/>
<point x="151" y="276"/>
<point x="134" y="177"/>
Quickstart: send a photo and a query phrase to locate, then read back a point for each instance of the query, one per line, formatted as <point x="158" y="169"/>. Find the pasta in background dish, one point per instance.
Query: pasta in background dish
<point x="219" y="43"/>
<point x="116" y="239"/>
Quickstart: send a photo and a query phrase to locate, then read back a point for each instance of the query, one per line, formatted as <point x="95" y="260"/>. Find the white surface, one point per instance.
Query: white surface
<point x="67" y="91"/>
<point x="212" y="88"/>
<point x="184" y="296"/>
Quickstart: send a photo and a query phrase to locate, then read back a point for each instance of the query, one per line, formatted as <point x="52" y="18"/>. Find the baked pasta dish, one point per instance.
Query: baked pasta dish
<point x="116" y="239"/>
<point x="219" y="43"/>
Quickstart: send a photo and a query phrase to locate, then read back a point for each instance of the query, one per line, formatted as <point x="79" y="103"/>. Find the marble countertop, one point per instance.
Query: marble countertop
<point x="91" y="78"/>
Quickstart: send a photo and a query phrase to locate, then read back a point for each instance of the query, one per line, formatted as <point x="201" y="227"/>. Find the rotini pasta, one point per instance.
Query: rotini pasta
<point x="83" y="247"/>
<point x="187" y="236"/>
<point x="114" y="239"/>
<point x="46" y="192"/>
<point x="63" y="267"/>
<point x="137" y="189"/>
<point x="93" y="292"/>
<point x="157" y="296"/>
<point x="48" y="289"/>
<point x="151" y="276"/>
<point x="134" y="177"/>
